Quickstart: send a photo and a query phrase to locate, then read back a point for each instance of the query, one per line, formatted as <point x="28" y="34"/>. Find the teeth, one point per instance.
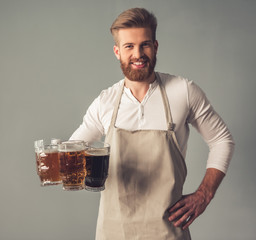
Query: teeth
<point x="138" y="63"/>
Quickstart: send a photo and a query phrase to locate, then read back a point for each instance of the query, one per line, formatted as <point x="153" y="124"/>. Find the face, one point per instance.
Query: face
<point x="136" y="52"/>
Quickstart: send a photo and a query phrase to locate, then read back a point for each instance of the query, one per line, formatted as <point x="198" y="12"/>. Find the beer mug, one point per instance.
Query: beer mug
<point x="72" y="164"/>
<point x="97" y="163"/>
<point x="47" y="162"/>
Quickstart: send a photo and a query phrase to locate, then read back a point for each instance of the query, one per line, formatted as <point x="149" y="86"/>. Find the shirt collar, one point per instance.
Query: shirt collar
<point x="152" y="87"/>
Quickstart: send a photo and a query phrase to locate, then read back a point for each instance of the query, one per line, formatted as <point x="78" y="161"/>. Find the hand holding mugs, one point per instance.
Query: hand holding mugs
<point x="76" y="164"/>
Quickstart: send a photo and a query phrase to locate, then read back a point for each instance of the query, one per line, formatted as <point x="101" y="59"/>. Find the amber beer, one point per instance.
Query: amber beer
<point x="97" y="164"/>
<point x="47" y="163"/>
<point x="72" y="164"/>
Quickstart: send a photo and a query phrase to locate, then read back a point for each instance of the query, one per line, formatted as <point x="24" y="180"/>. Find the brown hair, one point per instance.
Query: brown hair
<point x="134" y="17"/>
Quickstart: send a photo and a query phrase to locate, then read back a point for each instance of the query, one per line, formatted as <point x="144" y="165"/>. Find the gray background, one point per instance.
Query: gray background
<point x="56" y="57"/>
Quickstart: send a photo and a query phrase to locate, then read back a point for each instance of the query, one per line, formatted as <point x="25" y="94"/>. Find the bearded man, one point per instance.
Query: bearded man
<point x="145" y="118"/>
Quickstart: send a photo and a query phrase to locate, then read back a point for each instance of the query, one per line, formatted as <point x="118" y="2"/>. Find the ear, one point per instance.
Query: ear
<point x="156" y="46"/>
<point x="117" y="52"/>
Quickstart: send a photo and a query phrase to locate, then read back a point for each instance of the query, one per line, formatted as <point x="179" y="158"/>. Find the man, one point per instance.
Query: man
<point x="145" y="118"/>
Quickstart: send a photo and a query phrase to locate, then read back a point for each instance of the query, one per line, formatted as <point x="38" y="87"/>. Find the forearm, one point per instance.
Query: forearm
<point x="210" y="183"/>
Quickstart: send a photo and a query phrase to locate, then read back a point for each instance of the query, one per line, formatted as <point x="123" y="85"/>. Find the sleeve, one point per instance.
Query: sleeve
<point x="212" y="128"/>
<point x="91" y="128"/>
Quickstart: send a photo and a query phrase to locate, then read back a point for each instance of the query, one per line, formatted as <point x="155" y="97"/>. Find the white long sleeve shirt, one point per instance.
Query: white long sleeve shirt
<point x="188" y="104"/>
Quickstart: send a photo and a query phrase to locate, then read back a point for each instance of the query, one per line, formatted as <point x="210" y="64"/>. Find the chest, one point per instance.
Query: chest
<point x="150" y="113"/>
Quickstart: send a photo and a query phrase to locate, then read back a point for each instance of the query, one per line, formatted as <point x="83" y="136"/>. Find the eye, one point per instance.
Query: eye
<point x="129" y="46"/>
<point x="146" y="44"/>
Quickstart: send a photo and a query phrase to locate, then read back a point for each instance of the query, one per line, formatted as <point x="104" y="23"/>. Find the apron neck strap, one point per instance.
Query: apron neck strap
<point x="116" y="106"/>
<point x="167" y="109"/>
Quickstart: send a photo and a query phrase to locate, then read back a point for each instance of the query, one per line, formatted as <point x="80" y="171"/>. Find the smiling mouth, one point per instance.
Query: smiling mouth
<point x="139" y="64"/>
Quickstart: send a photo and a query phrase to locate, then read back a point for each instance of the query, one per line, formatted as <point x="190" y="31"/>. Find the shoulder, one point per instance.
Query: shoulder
<point x="175" y="86"/>
<point x="104" y="103"/>
<point x="180" y="85"/>
<point x="110" y="93"/>
<point x="106" y="99"/>
<point x="173" y="81"/>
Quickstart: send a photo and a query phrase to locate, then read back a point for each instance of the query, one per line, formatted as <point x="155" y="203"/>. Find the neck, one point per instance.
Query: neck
<point x="139" y="89"/>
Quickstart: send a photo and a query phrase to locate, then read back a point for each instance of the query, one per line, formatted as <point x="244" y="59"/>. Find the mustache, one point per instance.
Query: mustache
<point x="141" y="59"/>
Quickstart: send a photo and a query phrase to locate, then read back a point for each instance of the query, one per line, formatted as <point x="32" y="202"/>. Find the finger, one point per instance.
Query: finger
<point x="183" y="219"/>
<point x="179" y="213"/>
<point x="177" y="205"/>
<point x="189" y="221"/>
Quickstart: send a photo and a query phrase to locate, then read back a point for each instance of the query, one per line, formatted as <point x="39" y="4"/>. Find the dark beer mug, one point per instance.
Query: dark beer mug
<point x="97" y="163"/>
<point x="72" y="164"/>
<point x="47" y="162"/>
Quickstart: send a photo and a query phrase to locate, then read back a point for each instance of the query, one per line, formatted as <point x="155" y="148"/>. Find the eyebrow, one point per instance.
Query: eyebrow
<point x="127" y="44"/>
<point x="147" y="41"/>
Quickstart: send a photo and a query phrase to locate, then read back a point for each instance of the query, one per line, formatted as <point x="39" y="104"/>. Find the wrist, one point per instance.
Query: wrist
<point x="210" y="183"/>
<point x="205" y="194"/>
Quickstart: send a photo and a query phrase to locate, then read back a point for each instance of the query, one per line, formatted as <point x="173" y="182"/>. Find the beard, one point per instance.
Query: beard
<point x="139" y="75"/>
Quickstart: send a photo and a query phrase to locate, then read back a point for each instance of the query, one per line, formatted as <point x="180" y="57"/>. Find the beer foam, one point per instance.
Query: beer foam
<point x="55" y="141"/>
<point x="73" y="148"/>
<point x="38" y="143"/>
<point x="97" y="152"/>
<point x="49" y="150"/>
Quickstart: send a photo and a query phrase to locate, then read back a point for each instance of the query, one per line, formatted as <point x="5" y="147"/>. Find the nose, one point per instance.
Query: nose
<point x="138" y="52"/>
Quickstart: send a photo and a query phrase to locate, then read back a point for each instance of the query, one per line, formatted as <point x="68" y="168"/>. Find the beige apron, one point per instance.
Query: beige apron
<point x="146" y="177"/>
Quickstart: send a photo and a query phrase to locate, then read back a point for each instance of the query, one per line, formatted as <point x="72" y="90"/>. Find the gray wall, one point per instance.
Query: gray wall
<point x="55" y="58"/>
